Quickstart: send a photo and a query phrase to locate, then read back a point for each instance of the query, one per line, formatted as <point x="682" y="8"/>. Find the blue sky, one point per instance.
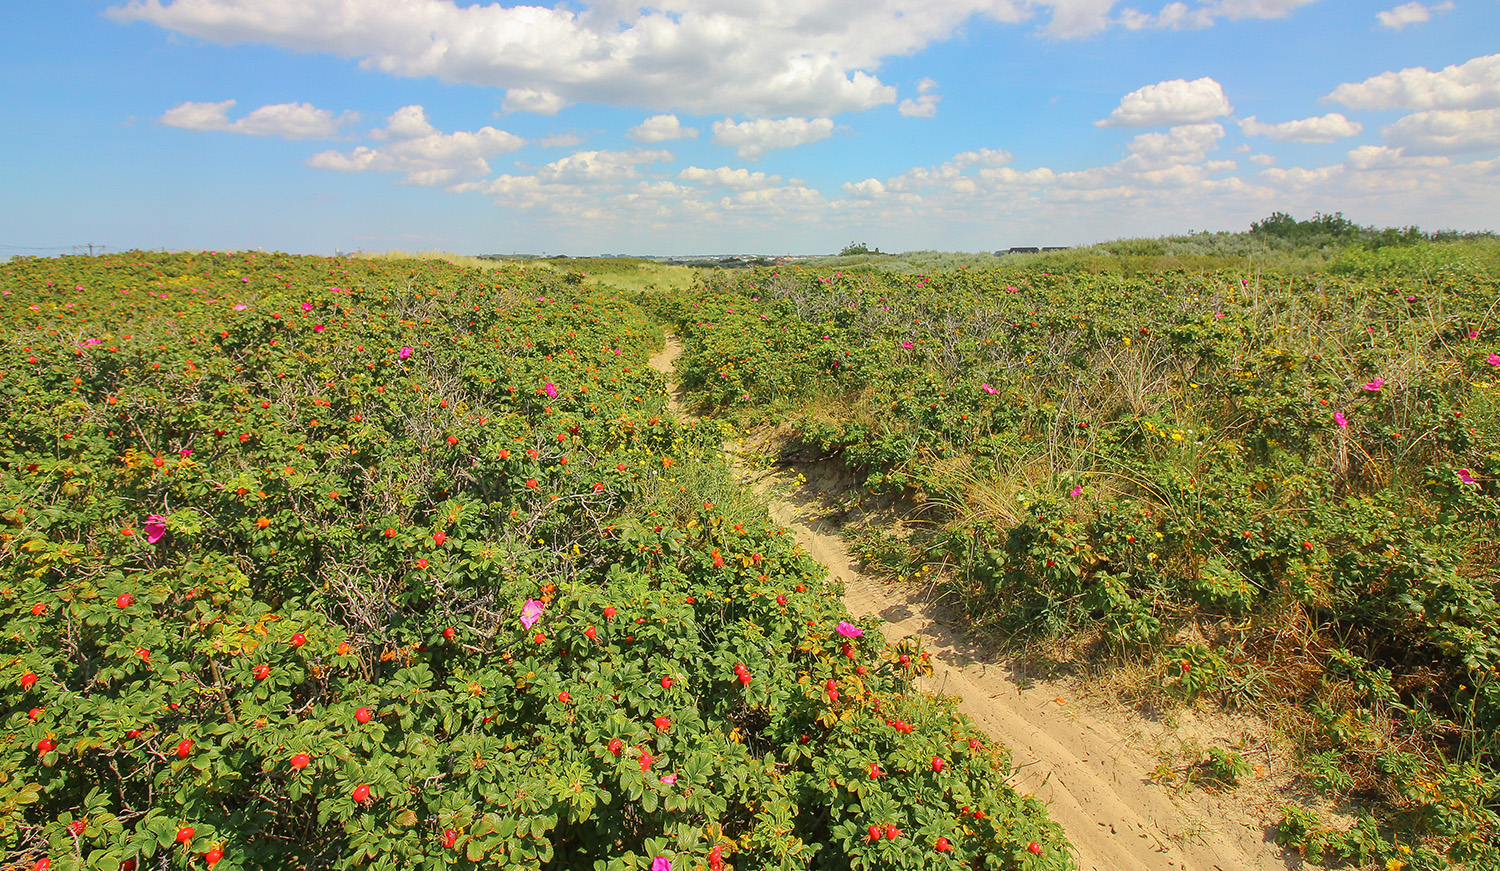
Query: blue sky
<point x="772" y="126"/>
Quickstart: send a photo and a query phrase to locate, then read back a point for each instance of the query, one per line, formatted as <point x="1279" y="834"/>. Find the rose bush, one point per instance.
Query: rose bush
<point x="320" y="562"/>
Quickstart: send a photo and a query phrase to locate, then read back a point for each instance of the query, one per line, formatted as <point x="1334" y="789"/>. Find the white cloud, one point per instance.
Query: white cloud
<point x="1471" y="85"/>
<point x="751" y="139"/>
<point x="1238" y="9"/>
<point x="1179" y="16"/>
<point x="1188" y="143"/>
<point x="1177" y="101"/>
<point x="407" y="122"/>
<point x="538" y="100"/>
<point x="870" y="188"/>
<point x="762" y="57"/>
<point x="1372" y="157"/>
<point x="596" y="167"/>
<point x="434" y="160"/>
<point x="608" y="186"/>
<point x="666" y="189"/>
<point x="1075" y="18"/>
<point x="988" y="157"/>
<point x="740" y="179"/>
<point x="661" y="128"/>
<point x="1262" y="159"/>
<point x="951" y="173"/>
<point x="1446" y="131"/>
<point x="1324" y="128"/>
<point x="925" y="105"/>
<point x="286" y="120"/>
<point x="1007" y="177"/>
<point x="1411" y="13"/>
<point x="199" y="116"/>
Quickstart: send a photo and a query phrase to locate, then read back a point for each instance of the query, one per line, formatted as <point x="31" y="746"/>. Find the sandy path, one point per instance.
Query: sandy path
<point x="1089" y="763"/>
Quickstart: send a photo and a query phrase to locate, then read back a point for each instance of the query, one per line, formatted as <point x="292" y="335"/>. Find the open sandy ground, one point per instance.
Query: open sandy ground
<point x="1091" y="762"/>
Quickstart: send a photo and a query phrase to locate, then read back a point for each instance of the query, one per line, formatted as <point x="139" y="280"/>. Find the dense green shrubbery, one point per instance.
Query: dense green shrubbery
<point x="336" y="563"/>
<point x="1298" y="467"/>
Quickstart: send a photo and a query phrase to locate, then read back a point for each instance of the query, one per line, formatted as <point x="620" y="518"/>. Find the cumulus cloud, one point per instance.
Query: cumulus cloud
<point x="661" y="128"/>
<point x="575" y="178"/>
<point x="1375" y="157"/>
<point x="751" y="139"/>
<point x="1076" y="18"/>
<point x="1324" y="128"/>
<point x="763" y="57"/>
<point x="1471" y="85"/>
<point x="925" y="105"/>
<point x="1176" y="101"/>
<point x="407" y="122"/>
<point x="870" y="188"/>
<point x="1180" y="16"/>
<point x="286" y="120"/>
<point x="539" y="100"/>
<point x="758" y="56"/>
<point x="739" y="179"/>
<point x="434" y="160"/>
<point x="199" y="116"/>
<point x="1188" y="143"/>
<point x="597" y="167"/>
<point x="1411" y="13"/>
<point x="614" y="186"/>
<point x="1446" y="131"/>
<point x="951" y="173"/>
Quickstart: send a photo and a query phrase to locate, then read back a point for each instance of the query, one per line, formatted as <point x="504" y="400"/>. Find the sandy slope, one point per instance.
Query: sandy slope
<point x="1089" y="762"/>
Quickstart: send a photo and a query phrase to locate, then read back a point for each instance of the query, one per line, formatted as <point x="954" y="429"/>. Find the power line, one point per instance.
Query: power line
<point x="84" y="248"/>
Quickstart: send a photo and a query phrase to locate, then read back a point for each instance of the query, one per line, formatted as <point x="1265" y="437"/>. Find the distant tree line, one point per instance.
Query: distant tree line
<point x="1337" y="231"/>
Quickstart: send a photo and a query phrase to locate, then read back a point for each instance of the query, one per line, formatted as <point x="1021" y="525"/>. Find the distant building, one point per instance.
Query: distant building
<point x="1031" y="250"/>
